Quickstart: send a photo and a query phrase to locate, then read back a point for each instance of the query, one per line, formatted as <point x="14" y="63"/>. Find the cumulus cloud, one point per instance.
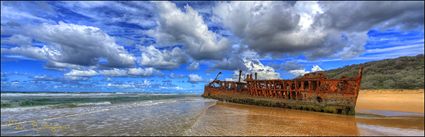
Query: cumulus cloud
<point x="247" y="61"/>
<point x="301" y="72"/>
<point x="263" y="71"/>
<point x="315" y="29"/>
<point x="114" y="72"/>
<point x="73" y="44"/>
<point x="174" y="75"/>
<point x="235" y="59"/>
<point x="184" y="34"/>
<point x="193" y="66"/>
<point x="194" y="78"/>
<point x="298" y="72"/>
<point x="81" y="73"/>
<point x="255" y="66"/>
<point x="230" y="63"/>
<point x="28" y="51"/>
<point x="264" y="26"/>
<point x="291" y="65"/>
<point x="379" y="14"/>
<point x="316" y="68"/>
<point x="18" y="40"/>
<point x="162" y="59"/>
<point x="61" y="66"/>
<point x="143" y="71"/>
<point x="189" y="29"/>
<point x="69" y="79"/>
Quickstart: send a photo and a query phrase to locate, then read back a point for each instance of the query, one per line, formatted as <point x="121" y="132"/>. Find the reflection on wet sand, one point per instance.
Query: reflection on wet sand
<point x="238" y="119"/>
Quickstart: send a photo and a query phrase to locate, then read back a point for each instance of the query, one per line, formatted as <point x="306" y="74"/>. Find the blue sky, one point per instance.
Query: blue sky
<point x="178" y="47"/>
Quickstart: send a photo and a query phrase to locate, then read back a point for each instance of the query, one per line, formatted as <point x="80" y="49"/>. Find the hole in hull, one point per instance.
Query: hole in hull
<point x="339" y="111"/>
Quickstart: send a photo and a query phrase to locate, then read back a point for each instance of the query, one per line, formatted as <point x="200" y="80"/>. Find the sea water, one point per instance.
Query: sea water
<point x="99" y="113"/>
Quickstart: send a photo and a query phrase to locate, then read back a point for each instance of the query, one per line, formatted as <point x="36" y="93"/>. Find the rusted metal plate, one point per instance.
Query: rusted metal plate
<point x="314" y="90"/>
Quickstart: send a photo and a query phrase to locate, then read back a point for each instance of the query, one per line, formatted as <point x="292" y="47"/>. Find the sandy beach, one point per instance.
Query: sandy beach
<point x="380" y="112"/>
<point x="392" y="100"/>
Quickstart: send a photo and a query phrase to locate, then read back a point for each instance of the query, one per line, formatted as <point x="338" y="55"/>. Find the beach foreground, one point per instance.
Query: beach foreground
<point x="120" y="114"/>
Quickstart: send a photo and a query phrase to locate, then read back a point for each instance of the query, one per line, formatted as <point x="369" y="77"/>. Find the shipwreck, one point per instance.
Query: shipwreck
<point x="312" y="92"/>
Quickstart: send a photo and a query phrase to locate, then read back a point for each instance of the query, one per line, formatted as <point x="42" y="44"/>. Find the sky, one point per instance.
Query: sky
<point x="178" y="47"/>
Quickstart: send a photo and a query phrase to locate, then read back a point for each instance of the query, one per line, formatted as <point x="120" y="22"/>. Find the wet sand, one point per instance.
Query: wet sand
<point x="238" y="119"/>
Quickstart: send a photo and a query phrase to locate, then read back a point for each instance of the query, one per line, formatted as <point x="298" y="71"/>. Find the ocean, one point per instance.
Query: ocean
<point x="120" y="114"/>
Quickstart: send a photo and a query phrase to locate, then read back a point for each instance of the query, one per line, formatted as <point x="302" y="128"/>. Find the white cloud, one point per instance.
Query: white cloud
<point x="133" y="84"/>
<point x="248" y="61"/>
<point x="17" y="40"/>
<point x="193" y="66"/>
<point x="121" y="85"/>
<point x="188" y="28"/>
<point x="114" y="72"/>
<point x="73" y="44"/>
<point x="263" y="71"/>
<point x="81" y="73"/>
<point x="235" y="61"/>
<point x="31" y="52"/>
<point x="301" y="72"/>
<point x="143" y="72"/>
<point x="165" y="59"/>
<point x="132" y="12"/>
<point x="194" y="78"/>
<point x="315" y="29"/>
<point x="10" y="13"/>
<point x="266" y="26"/>
<point x="379" y="15"/>
<point x="61" y="66"/>
<point x="316" y="68"/>
<point x="173" y="75"/>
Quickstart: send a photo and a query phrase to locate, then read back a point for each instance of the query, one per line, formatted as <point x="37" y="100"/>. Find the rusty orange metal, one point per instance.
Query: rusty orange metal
<point x="313" y="91"/>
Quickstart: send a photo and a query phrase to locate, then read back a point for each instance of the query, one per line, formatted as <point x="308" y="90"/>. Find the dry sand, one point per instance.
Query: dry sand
<point x="392" y="100"/>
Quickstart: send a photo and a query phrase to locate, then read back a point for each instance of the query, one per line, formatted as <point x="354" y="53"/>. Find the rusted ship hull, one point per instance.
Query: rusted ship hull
<point x="313" y="92"/>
